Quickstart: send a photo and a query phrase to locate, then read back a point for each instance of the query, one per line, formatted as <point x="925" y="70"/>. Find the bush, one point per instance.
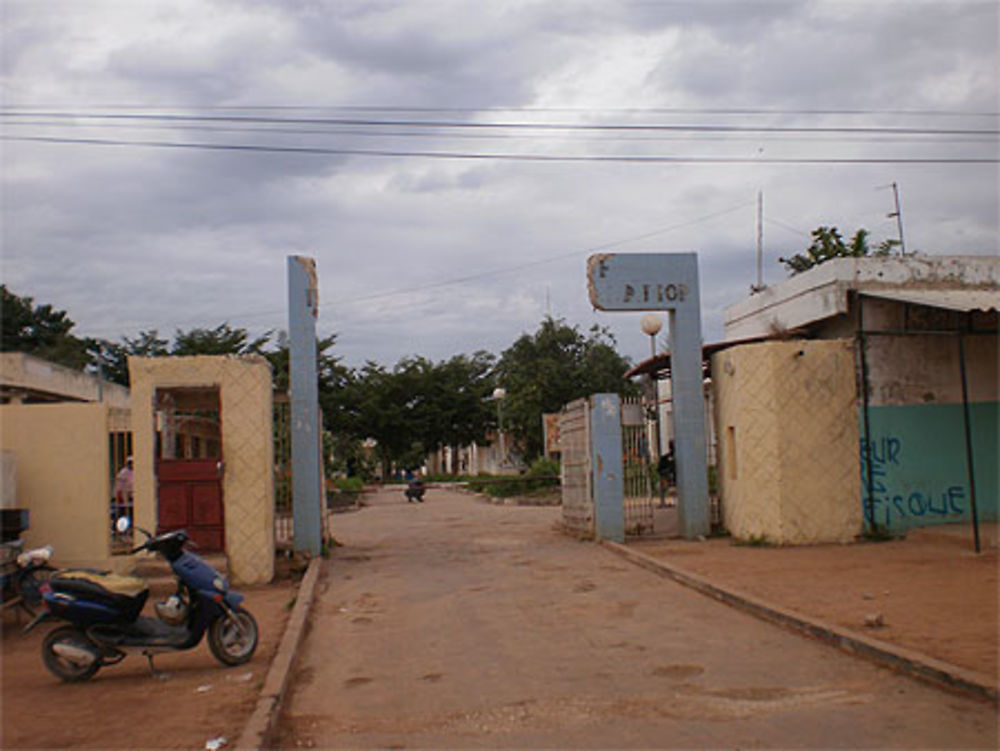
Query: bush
<point x="544" y="473"/>
<point x="349" y="484"/>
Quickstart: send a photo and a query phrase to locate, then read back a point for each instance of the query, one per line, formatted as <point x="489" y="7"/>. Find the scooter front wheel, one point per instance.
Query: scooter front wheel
<point x="233" y="638"/>
<point x="70" y="655"/>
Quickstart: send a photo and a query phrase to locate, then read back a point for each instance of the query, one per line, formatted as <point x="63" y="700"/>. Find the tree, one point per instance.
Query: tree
<point x="222" y="340"/>
<point x="39" y="330"/>
<point x="416" y="407"/>
<point x="541" y="372"/>
<point x="827" y="244"/>
<point x="462" y="387"/>
<point x="111" y="358"/>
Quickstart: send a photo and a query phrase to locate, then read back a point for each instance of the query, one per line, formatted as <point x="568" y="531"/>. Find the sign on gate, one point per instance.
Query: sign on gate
<point x="668" y="282"/>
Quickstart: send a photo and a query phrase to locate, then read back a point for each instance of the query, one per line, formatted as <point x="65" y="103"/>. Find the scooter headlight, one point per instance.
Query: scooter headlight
<point x="220" y="583"/>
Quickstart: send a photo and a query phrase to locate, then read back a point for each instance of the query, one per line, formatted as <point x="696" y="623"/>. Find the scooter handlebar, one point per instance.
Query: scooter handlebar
<point x="175" y="538"/>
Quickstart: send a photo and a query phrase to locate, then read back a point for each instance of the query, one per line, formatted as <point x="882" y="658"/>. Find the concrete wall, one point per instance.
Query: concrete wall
<point x="61" y="454"/>
<point x="786" y="420"/>
<point x="244" y="385"/>
<point x="917" y="429"/>
<point x="823" y="291"/>
<point x="31" y="377"/>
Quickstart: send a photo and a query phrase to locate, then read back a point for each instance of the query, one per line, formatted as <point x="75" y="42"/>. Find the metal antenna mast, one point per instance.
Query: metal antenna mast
<point x="760" y="243"/>
<point x="899" y="218"/>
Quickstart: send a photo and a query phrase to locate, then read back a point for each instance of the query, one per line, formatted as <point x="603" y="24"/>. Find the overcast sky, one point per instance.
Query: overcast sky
<point x="349" y="105"/>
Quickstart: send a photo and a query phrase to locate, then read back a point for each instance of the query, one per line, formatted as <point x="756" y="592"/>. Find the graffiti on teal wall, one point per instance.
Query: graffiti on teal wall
<point x="917" y="462"/>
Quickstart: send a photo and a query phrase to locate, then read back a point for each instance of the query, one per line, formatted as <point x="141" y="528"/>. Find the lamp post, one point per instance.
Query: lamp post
<point x="498" y="395"/>
<point x="651" y="325"/>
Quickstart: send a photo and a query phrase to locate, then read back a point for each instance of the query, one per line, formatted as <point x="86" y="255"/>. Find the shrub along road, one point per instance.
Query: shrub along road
<point x="457" y="623"/>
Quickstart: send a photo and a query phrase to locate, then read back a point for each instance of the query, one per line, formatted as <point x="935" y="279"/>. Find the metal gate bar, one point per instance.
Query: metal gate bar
<point x="639" y="498"/>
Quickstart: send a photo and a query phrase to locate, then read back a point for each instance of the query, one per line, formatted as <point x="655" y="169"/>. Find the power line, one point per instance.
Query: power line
<point x="458" y="155"/>
<point x="540" y="110"/>
<point x="567" y="127"/>
<point x="493" y="272"/>
<point x="788" y="227"/>
<point x="344" y="131"/>
<point x="541" y="262"/>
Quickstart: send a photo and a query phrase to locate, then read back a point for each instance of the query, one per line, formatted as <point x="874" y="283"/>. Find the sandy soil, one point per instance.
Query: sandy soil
<point x="934" y="594"/>
<point x="192" y="700"/>
<point x="463" y="624"/>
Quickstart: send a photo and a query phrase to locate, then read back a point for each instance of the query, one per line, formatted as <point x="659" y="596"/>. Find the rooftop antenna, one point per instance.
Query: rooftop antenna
<point x="760" y="244"/>
<point x="898" y="214"/>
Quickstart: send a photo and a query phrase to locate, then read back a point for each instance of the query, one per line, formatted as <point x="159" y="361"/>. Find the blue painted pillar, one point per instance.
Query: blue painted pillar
<point x="307" y="475"/>
<point x="667" y="281"/>
<point x="689" y="412"/>
<point x="606" y="465"/>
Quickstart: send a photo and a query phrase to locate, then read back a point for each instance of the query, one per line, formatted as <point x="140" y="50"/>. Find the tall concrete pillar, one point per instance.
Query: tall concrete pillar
<point x="607" y="467"/>
<point x="667" y="281"/>
<point x="307" y="474"/>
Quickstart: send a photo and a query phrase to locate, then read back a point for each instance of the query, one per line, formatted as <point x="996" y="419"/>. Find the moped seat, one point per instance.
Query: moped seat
<point x="128" y="586"/>
<point x="126" y="594"/>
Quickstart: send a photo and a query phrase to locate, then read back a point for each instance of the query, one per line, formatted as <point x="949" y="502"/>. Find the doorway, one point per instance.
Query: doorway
<point x="189" y="464"/>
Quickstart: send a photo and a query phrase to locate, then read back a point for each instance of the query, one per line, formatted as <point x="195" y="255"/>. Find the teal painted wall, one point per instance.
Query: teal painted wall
<point x="919" y="468"/>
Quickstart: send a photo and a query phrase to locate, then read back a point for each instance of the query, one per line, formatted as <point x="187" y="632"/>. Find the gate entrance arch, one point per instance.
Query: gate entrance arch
<point x="667" y="282"/>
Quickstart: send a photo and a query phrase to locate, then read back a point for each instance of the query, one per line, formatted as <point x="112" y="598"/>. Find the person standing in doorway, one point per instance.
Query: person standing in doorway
<point x="124" y="484"/>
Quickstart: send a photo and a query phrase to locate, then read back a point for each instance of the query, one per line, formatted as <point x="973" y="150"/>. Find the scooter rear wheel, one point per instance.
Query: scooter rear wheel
<point x="233" y="640"/>
<point x="65" y="666"/>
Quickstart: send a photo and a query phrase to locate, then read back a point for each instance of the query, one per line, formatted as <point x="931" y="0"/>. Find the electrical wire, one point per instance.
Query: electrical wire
<point x="737" y="111"/>
<point x="784" y="226"/>
<point x="486" y="274"/>
<point x="511" y="157"/>
<point x="568" y="127"/>
<point x="597" y="137"/>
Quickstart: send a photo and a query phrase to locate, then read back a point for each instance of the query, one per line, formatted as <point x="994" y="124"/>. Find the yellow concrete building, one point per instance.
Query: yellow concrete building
<point x="787" y="425"/>
<point x="63" y="476"/>
<point x="169" y="390"/>
<point x="200" y="430"/>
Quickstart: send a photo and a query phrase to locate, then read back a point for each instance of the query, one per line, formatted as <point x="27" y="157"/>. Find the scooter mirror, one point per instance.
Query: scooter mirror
<point x="123" y="524"/>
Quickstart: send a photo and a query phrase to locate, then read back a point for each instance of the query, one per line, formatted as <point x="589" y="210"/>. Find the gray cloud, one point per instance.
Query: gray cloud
<point x="128" y="238"/>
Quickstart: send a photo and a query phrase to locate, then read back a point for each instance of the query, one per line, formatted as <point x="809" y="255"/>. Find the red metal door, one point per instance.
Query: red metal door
<point x="190" y="498"/>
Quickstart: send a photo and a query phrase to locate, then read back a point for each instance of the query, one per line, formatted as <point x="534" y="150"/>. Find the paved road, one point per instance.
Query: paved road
<point x="457" y="624"/>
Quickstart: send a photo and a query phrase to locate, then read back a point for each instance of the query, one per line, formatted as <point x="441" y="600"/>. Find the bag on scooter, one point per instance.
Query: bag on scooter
<point x="96" y="595"/>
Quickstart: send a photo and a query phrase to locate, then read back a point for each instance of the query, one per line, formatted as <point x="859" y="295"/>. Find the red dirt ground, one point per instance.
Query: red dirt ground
<point x="935" y="595"/>
<point x="123" y="706"/>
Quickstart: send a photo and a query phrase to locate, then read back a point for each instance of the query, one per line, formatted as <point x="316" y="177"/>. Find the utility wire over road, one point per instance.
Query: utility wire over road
<point x="795" y="137"/>
<point x="625" y="158"/>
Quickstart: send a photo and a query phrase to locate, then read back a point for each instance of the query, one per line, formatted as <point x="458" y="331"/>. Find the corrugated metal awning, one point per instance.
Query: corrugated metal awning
<point x="962" y="300"/>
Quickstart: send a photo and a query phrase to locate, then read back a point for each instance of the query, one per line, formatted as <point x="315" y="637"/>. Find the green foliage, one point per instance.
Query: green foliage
<point x="755" y="541"/>
<point x="828" y="244"/>
<point x="111" y="358"/>
<point x="417" y="407"/>
<point x="39" y="330"/>
<point x="222" y="340"/>
<point x="543" y="371"/>
<point x="544" y="467"/>
<point x="349" y="484"/>
<point x="543" y="474"/>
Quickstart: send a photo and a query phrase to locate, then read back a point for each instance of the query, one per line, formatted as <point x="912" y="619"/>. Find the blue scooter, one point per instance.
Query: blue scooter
<point x="102" y="610"/>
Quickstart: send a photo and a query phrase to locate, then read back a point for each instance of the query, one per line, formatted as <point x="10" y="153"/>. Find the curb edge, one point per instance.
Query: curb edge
<point x="258" y="729"/>
<point x="913" y="664"/>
